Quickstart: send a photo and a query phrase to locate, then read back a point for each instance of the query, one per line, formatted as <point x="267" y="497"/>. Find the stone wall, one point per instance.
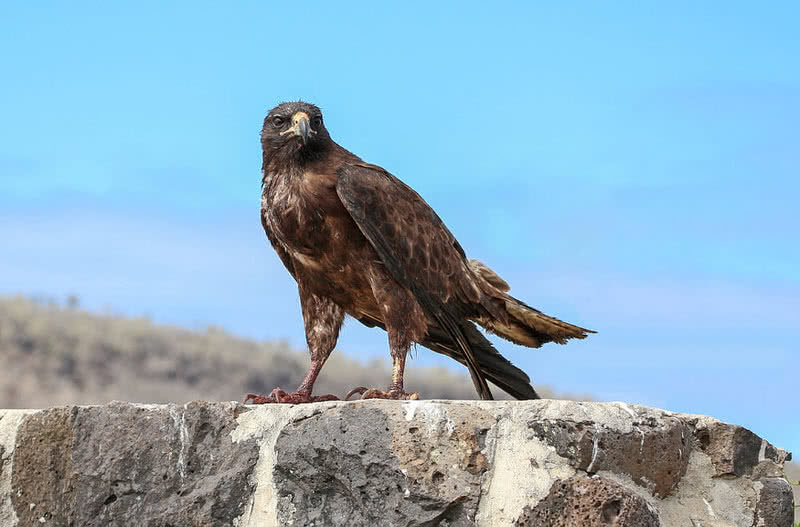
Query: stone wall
<point x="382" y="463"/>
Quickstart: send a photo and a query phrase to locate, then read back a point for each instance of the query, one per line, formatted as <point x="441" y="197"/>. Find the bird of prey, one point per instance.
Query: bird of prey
<point x="360" y="242"/>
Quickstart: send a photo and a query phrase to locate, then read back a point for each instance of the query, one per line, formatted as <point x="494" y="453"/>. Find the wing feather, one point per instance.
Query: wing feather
<point x="406" y="232"/>
<point x="417" y="249"/>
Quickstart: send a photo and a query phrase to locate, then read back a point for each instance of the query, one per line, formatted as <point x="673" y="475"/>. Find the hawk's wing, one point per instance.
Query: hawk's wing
<point x="408" y="235"/>
<point x="417" y="249"/>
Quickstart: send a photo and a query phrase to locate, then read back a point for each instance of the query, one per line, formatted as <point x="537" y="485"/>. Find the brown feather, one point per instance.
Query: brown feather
<point x="360" y="241"/>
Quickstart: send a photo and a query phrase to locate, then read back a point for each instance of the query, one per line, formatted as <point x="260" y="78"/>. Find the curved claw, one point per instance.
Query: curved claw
<point x="280" y="396"/>
<point x="360" y="390"/>
<point x="374" y="393"/>
<point x="255" y="398"/>
<point x="321" y="398"/>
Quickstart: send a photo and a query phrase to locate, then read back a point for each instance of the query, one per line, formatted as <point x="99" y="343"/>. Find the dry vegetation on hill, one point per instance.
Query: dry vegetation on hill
<point x="54" y="355"/>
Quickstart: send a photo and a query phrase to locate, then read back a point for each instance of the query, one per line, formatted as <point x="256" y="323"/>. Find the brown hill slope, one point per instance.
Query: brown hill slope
<point x="51" y="355"/>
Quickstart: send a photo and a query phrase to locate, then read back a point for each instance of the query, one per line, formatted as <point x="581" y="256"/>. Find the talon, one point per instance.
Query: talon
<point x="280" y="396"/>
<point x="255" y="398"/>
<point x="360" y="390"/>
<point x="374" y="393"/>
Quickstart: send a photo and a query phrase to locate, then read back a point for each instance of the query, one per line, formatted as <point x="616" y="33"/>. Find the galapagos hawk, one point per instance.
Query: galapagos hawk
<point x="360" y="242"/>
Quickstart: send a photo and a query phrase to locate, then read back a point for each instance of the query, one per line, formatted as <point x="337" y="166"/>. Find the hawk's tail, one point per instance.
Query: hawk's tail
<point x="521" y="323"/>
<point x="492" y="365"/>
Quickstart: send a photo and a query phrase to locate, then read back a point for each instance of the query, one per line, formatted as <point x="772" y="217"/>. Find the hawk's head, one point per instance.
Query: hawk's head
<point x="293" y="130"/>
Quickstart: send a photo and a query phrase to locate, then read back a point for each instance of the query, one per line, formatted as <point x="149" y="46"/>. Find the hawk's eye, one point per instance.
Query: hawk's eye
<point x="317" y="121"/>
<point x="278" y="121"/>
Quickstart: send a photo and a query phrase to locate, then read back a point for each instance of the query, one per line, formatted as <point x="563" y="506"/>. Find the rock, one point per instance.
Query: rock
<point x="733" y="450"/>
<point x="775" y="506"/>
<point x="654" y="453"/>
<point x="371" y="470"/>
<point x="126" y="464"/>
<point x="385" y="463"/>
<point x="589" y="501"/>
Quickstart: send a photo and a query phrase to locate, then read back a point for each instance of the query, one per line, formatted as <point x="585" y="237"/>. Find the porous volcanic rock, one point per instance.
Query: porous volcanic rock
<point x="581" y="500"/>
<point x="386" y="463"/>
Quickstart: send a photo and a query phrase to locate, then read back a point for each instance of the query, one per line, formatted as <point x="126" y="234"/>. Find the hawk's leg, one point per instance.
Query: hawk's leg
<point x="405" y="322"/>
<point x="323" y="320"/>
<point x="395" y="391"/>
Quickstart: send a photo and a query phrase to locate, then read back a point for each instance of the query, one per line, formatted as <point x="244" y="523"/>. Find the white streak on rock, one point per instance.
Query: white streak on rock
<point x="641" y="443"/>
<point x="179" y="419"/>
<point x="627" y="408"/>
<point x="431" y="414"/>
<point x="10" y="421"/>
<point x="710" y="510"/>
<point x="523" y="468"/>
<point x="595" y="449"/>
<point x="411" y="409"/>
<point x="264" y="423"/>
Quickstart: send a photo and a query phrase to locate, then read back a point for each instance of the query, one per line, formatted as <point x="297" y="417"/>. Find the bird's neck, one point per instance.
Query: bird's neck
<point x="274" y="161"/>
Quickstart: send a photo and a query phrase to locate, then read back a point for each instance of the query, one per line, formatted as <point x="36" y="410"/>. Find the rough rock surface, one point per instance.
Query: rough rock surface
<point x="589" y="501"/>
<point x="125" y="464"/>
<point x="385" y="463"/>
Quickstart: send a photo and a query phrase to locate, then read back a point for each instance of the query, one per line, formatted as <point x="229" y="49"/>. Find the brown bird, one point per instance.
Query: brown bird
<point x="360" y="242"/>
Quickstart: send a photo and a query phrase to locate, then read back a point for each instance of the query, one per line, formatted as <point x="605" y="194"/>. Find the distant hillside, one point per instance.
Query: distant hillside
<point x="54" y="355"/>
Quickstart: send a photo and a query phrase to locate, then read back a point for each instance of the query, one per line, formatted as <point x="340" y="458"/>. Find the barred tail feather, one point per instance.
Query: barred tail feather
<point x="521" y="323"/>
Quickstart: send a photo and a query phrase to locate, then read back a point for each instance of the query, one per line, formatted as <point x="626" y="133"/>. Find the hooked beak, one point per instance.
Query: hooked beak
<point x="303" y="128"/>
<point x="300" y="127"/>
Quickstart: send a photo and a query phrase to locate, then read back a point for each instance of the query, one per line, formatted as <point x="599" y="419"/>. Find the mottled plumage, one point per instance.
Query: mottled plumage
<point x="359" y="241"/>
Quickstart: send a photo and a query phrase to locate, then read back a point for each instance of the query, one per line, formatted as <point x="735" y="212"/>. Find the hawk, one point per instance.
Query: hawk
<point x="360" y="242"/>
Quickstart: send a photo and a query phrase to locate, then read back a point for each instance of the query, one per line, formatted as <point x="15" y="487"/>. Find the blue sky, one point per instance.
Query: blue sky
<point x="629" y="167"/>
